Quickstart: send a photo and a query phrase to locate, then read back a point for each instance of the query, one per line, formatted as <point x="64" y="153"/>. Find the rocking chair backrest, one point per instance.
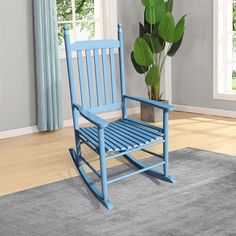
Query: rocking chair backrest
<point x="98" y="91"/>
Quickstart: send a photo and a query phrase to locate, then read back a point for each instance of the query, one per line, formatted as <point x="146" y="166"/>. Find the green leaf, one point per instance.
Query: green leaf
<point x="175" y="47"/>
<point x="138" y="68"/>
<point x="153" y="43"/>
<point x="169" y="5"/>
<point x="151" y="16"/>
<point x="155" y="13"/>
<point x="167" y="28"/>
<point x="155" y="32"/>
<point x="160" y="9"/>
<point x="153" y="76"/>
<point x="148" y="3"/>
<point x="179" y="29"/>
<point x="156" y="35"/>
<point x="147" y="26"/>
<point x="142" y="30"/>
<point x="142" y="53"/>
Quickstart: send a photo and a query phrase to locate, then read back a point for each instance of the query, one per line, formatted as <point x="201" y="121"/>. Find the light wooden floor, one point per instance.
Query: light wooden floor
<point x="37" y="159"/>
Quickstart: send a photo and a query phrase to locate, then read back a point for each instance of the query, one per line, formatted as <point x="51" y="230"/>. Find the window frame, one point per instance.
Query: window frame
<point x="108" y="14"/>
<point x="222" y="45"/>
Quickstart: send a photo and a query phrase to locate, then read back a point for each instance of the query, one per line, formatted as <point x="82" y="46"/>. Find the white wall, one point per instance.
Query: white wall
<point x="192" y="67"/>
<point x="17" y="73"/>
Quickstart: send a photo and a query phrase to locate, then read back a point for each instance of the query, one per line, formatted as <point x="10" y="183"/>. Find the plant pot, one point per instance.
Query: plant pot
<point x="150" y="113"/>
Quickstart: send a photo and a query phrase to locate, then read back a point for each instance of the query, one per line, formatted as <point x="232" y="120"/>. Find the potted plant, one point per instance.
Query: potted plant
<point x="159" y="37"/>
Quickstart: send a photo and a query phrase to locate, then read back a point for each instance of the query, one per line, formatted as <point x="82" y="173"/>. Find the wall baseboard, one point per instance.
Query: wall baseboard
<point x="18" y="132"/>
<point x="67" y="123"/>
<point x="115" y="114"/>
<point x="206" y="111"/>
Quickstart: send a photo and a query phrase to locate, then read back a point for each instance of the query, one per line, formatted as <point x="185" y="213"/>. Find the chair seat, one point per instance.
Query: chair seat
<point x="122" y="135"/>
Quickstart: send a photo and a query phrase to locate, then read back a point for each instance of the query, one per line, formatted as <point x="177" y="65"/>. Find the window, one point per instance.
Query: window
<point x="225" y="49"/>
<point x="87" y="19"/>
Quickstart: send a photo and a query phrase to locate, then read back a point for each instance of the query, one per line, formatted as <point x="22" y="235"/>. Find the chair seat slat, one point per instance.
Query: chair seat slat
<point x="148" y="130"/>
<point x="129" y="139"/>
<point x="130" y="132"/>
<point x="110" y="145"/>
<point x="92" y="136"/>
<point x="119" y="138"/>
<point x="140" y="132"/>
<point x="88" y="136"/>
<point x="115" y="138"/>
<point x="144" y="131"/>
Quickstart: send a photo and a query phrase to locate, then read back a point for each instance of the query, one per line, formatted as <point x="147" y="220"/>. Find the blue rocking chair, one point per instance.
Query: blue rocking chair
<point x="98" y="93"/>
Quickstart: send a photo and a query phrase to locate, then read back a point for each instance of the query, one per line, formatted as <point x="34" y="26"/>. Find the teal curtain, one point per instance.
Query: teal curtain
<point x="49" y="104"/>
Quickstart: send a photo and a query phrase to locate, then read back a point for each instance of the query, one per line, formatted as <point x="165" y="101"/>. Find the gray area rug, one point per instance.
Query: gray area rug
<point x="203" y="202"/>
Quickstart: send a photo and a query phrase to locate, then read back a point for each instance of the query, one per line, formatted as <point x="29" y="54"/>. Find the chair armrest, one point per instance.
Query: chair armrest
<point x="161" y="105"/>
<point x="91" y="117"/>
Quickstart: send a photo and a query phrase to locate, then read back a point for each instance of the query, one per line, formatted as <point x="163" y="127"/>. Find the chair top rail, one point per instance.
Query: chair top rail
<point x="94" y="44"/>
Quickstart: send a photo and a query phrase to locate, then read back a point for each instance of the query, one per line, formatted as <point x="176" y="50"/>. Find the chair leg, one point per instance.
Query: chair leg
<point x="166" y="145"/>
<point x="91" y="185"/>
<point x="103" y="165"/>
<point x="78" y="151"/>
<point x="153" y="173"/>
<point x="104" y="178"/>
<point x="166" y="156"/>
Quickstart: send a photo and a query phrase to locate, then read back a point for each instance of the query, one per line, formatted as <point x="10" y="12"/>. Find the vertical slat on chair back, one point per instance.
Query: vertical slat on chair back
<point x="98" y="82"/>
<point x="105" y="74"/>
<point x="90" y="79"/>
<point x="113" y="75"/>
<point x="97" y="76"/>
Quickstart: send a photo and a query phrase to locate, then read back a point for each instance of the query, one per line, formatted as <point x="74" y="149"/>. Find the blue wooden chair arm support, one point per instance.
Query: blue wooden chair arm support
<point x="160" y="105"/>
<point x="91" y="116"/>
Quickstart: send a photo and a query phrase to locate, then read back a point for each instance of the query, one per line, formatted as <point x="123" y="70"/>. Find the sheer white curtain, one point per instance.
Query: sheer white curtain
<point x="108" y="11"/>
